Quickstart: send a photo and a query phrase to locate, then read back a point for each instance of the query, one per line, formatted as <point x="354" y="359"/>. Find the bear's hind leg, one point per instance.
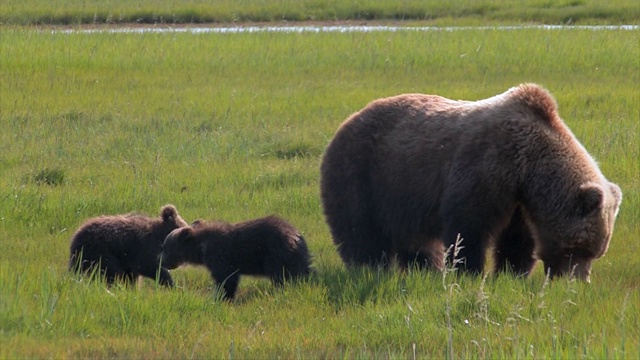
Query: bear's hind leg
<point x="346" y="197"/>
<point x="85" y="259"/>
<point x="366" y="246"/>
<point x="76" y="263"/>
<point x="514" y="247"/>
<point x="430" y="256"/>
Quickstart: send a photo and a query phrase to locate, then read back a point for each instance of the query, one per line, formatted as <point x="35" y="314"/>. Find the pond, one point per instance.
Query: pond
<point x="338" y="29"/>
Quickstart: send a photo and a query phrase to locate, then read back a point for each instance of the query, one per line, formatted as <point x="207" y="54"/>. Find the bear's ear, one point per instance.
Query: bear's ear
<point x="616" y="192"/>
<point x="186" y="233"/>
<point x="168" y="213"/>
<point x="590" y="199"/>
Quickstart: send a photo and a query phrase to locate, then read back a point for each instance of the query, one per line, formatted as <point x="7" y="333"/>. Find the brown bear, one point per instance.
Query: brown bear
<point x="406" y="176"/>
<point x="267" y="246"/>
<point x="123" y="247"/>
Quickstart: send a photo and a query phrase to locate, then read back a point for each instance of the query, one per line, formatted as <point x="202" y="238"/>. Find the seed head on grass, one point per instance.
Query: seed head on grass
<point x="450" y="267"/>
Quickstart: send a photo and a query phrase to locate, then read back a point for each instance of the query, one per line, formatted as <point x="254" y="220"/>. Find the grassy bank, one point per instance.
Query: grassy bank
<point x="233" y="127"/>
<point x="42" y="12"/>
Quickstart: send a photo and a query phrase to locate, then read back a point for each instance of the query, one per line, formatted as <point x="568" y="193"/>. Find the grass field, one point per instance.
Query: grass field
<point x="69" y="12"/>
<point x="233" y="127"/>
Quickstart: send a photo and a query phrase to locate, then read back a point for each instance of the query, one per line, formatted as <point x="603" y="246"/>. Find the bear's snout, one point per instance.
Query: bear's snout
<point x="573" y="267"/>
<point x="165" y="262"/>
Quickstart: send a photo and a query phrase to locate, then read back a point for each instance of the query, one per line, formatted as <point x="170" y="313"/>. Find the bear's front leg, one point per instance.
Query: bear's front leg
<point x="514" y="248"/>
<point x="157" y="273"/>
<point x="164" y="277"/>
<point x="472" y="211"/>
<point x="228" y="282"/>
<point x="465" y="246"/>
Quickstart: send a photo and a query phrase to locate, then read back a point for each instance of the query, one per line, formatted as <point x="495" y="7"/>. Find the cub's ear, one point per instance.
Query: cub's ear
<point x="590" y="199"/>
<point x="185" y="233"/>
<point x="168" y="213"/>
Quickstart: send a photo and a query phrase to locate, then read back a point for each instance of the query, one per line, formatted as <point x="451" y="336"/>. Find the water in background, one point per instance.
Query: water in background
<point x="338" y="29"/>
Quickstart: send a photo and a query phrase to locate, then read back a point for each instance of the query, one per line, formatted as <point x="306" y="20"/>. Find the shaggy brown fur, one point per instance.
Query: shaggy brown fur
<point x="407" y="175"/>
<point x="267" y="246"/>
<point x="124" y="246"/>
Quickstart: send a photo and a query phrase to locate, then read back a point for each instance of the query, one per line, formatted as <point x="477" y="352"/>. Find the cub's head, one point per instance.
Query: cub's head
<point x="180" y="247"/>
<point x="585" y="235"/>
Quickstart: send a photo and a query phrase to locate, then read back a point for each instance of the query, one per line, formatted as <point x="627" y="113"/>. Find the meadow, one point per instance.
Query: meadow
<point x="233" y="126"/>
<point x="73" y="12"/>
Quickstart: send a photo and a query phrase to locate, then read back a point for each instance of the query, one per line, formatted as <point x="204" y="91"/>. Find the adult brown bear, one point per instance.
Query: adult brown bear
<point x="407" y="175"/>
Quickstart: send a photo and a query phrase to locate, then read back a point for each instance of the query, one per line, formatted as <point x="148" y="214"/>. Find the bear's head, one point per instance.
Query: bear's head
<point x="180" y="247"/>
<point x="572" y="243"/>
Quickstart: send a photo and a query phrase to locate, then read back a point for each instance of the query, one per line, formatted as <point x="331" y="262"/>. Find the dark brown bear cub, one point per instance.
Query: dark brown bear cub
<point x="267" y="246"/>
<point x="123" y="247"/>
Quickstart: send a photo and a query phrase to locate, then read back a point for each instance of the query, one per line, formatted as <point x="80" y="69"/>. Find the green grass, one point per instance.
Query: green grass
<point x="67" y="12"/>
<point x="233" y="127"/>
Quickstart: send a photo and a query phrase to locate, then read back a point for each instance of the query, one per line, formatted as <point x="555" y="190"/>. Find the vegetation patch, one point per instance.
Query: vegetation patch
<point x="296" y="150"/>
<point x="51" y="177"/>
<point x="460" y="12"/>
<point x="127" y="119"/>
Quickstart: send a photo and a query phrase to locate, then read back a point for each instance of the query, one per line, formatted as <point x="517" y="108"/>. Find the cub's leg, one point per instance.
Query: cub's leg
<point x="228" y="279"/>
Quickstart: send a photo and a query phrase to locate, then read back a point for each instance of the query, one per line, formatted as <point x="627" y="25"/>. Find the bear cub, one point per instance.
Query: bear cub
<point x="124" y="247"/>
<point x="267" y="246"/>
